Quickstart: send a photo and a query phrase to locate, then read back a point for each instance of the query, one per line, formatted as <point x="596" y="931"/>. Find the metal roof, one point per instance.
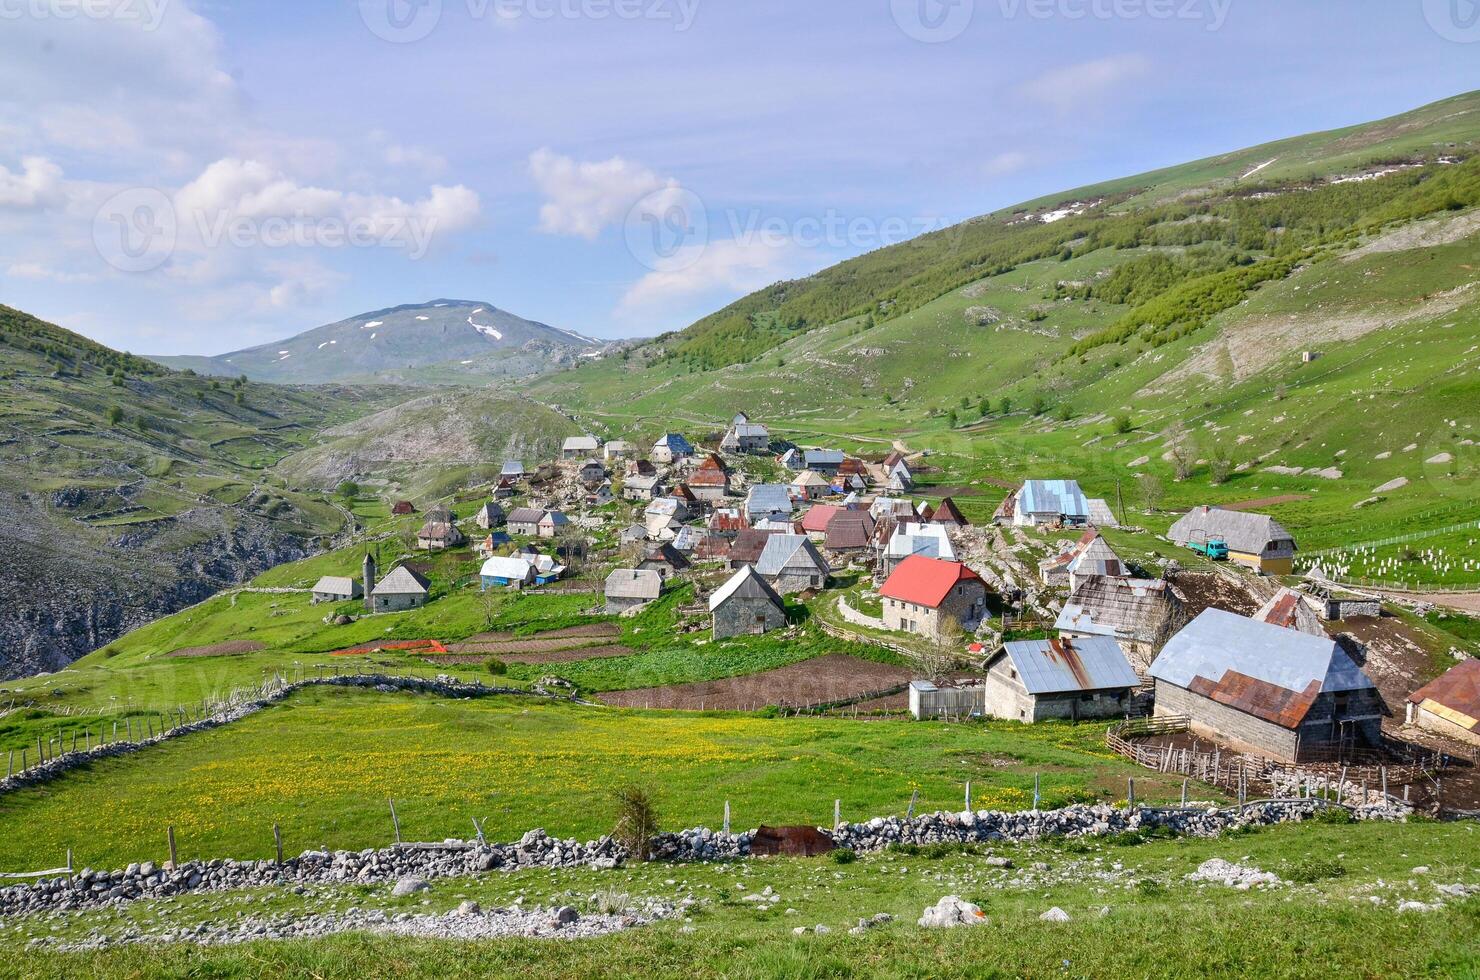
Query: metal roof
<point x="768" y="498"/>
<point x="780" y="553"/>
<point x="580" y="444"/>
<point x="401" y="581"/>
<point x="1455" y="696"/>
<point x="1094" y="663"/>
<point x="1240" y="530"/>
<point x="512" y="467"/>
<point x="1264" y="670"/>
<point x="744" y="584"/>
<point x="337" y="585"/>
<point x="929" y="540"/>
<point x="513" y="569"/>
<point x="1053" y="497"/>
<point x="822" y="457"/>
<point x="634" y="583"/>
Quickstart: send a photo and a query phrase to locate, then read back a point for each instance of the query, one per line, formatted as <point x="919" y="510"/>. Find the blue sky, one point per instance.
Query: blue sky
<point x="194" y="177"/>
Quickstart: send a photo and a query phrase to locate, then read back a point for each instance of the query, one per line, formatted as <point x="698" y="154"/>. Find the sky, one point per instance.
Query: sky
<point x="197" y="176"/>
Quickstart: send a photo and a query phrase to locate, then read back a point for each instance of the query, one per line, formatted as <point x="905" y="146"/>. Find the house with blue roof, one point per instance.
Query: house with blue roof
<point x="671" y="448"/>
<point x="1044" y="502"/>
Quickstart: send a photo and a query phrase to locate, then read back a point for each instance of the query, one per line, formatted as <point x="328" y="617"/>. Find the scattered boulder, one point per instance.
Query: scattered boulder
<point x="409" y="886"/>
<point x="1054" y="914"/>
<point x="950" y="912"/>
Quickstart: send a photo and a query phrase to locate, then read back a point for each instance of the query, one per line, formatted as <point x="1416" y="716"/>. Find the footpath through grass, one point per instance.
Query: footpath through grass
<point x="1133" y="913"/>
<point x="324" y="763"/>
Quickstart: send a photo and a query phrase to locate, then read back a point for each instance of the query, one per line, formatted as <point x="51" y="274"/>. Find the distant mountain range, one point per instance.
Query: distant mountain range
<point x="446" y="341"/>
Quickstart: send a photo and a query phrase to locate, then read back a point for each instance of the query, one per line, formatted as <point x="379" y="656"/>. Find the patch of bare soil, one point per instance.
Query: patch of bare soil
<point x="219" y="649"/>
<point x="557" y="656"/>
<point x="834" y="677"/>
<point x="1395" y="659"/>
<point x="1209" y="590"/>
<point x="1248" y="346"/>
<point x="1288" y="498"/>
<point x="1444" y="230"/>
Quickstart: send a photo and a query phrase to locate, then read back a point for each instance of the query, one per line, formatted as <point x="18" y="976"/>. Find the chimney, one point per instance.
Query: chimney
<point x="368" y="571"/>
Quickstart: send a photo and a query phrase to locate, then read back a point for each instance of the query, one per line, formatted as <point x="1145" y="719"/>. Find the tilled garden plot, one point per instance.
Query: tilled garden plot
<point x="562" y="655"/>
<point x="834" y="677"/>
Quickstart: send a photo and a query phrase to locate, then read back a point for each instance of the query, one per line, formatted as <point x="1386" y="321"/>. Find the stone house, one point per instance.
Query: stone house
<point x="618" y="449"/>
<point x="811" y="485"/>
<point x="1037" y="680"/>
<point x="628" y="588"/>
<point x="823" y="461"/>
<point x="1139" y="614"/>
<point x="337" y="588"/>
<point x="747" y="547"/>
<point x="1255" y="541"/>
<point x="850" y="532"/>
<point x="671" y="448"/>
<point x="591" y="471"/>
<point x="1450" y="704"/>
<point x="400" y="590"/>
<point x="710" y="480"/>
<point x="745" y="436"/>
<point x="791" y="563"/>
<point x="947" y="513"/>
<point x="551" y="524"/>
<point x="922" y="594"/>
<point x="746" y="605"/>
<point x="579" y="447"/>
<point x="403" y="507"/>
<point x="641" y="488"/>
<point x="765" y="499"/>
<point x="909" y="539"/>
<point x="665" y="560"/>
<point x="525" y="521"/>
<point x="1045" y="502"/>
<point x="490" y="516"/>
<point x="438" y="536"/>
<point x="1267" y="690"/>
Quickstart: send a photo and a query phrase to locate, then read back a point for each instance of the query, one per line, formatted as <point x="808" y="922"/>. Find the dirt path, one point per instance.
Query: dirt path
<point x="834" y="677"/>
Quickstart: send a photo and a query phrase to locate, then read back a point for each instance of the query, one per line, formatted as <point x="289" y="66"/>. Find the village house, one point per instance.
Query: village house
<point x="579" y="447"/>
<point x="911" y="539"/>
<point x="1090" y="555"/>
<point x="1040" y="503"/>
<point x="1139" y="614"/>
<point x="816" y="519"/>
<point x="513" y="470"/>
<point x="1450" y="704"/>
<point x="810" y="485"/>
<point x="792" y="563"/>
<point x="710" y="480"/>
<point x="745" y="436"/>
<point x="690" y="504"/>
<point x="633" y="532"/>
<point x="628" y="588"/>
<point x="337" y="588"/>
<point x="551" y="524"/>
<point x="1291" y="610"/>
<point x="747" y="547"/>
<point x="780" y="523"/>
<point x="601" y="496"/>
<point x="824" y="461"/>
<point x="922" y="594"/>
<point x="641" y="488"/>
<point x="665" y="560"/>
<point x="746" y="606"/>
<point x="1267" y="690"/>
<point x="400" y="590"/>
<point x="946" y="512"/>
<point x="503" y="489"/>
<point x="525" y="521"/>
<point x="1100" y="514"/>
<point x="712" y="547"/>
<point x="641" y="467"/>
<point x="1038" y="680"/>
<point x="671" y="448"/>
<point x="591" y="471"/>
<point x="726" y="522"/>
<point x="618" y="449"/>
<point x="506" y="573"/>
<point x="669" y="507"/>
<point x="1256" y="541"/>
<point x="850" y="532"/>
<point x="765" y="499"/>
<point x="490" y="544"/>
<point x="438" y="536"/>
<point x="490" y="516"/>
<point x="792" y="459"/>
<point x="403" y="507"/>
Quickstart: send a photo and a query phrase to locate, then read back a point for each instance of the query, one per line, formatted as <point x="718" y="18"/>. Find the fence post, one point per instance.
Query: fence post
<point x="277" y="838"/>
<point x="914" y="798"/>
<point x="968" y="796"/>
<point x="395" y="821"/>
<point x="1035" y="792"/>
<point x="727" y="816"/>
<point x="1184" y="792"/>
<point x="169" y="833"/>
<point x="837" y="813"/>
<point x="1130" y="793"/>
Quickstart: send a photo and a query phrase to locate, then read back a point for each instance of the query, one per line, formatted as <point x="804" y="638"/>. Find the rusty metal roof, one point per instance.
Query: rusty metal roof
<point x="1457" y="692"/>
<point x="1094" y="663"/>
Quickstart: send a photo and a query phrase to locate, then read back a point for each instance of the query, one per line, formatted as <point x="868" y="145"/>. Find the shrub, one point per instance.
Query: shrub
<point x="496" y="667"/>
<point x="843" y="855"/>
<point x="1150" y="887"/>
<point x="637" y="821"/>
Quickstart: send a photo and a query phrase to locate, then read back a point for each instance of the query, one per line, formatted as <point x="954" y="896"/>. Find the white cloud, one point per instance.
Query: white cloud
<point x="582" y="198"/>
<point x="38" y="184"/>
<point x="1072" y="87"/>
<point x="40" y="273"/>
<point x="732" y="266"/>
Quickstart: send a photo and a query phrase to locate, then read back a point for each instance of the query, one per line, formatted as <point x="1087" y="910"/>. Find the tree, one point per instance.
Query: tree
<point x="1122" y="424"/>
<point x="1006" y="407"/>
<point x="985" y="407"/>
<point x="1040" y="404"/>
<point x="1220" y="466"/>
<point x="1151" y="491"/>
<point x="115" y="415"/>
<point x="1065" y="412"/>
<point x="1180" y="448"/>
<point x="349" y="490"/>
<point x="637" y="821"/>
<point x="945" y="651"/>
<point x="490" y="601"/>
<point x="951" y="419"/>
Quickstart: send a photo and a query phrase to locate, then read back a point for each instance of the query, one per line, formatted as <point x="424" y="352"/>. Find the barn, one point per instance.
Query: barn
<point x="746" y="606"/>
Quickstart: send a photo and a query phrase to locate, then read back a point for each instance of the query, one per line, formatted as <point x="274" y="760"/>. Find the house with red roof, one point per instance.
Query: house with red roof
<point x="923" y="594"/>
<point x="1451" y="704"/>
<point x="817" y="518"/>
